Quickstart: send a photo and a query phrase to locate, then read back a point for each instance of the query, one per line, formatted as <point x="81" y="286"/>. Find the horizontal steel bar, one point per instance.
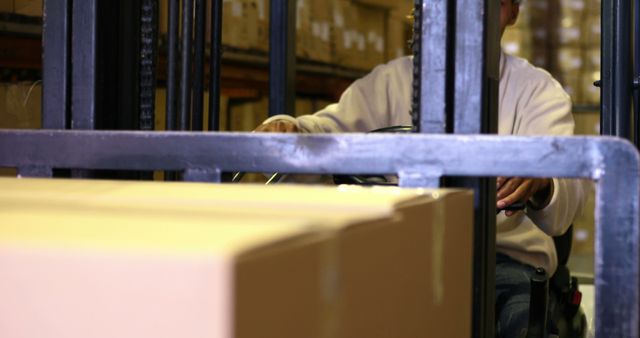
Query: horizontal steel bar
<point x="613" y="162"/>
<point x="343" y="154"/>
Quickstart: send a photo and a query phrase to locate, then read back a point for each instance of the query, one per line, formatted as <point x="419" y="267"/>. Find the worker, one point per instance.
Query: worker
<point x="531" y="103"/>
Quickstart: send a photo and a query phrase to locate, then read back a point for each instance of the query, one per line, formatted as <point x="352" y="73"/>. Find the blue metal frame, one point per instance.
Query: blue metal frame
<point x="282" y="57"/>
<point x="56" y="94"/>
<point x="617" y="69"/>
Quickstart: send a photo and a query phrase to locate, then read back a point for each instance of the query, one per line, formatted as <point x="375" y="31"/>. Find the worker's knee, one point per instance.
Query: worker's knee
<point x="513" y="317"/>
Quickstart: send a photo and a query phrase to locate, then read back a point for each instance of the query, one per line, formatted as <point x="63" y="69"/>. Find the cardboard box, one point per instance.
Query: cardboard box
<point x="373" y="27"/>
<point x="247" y="116"/>
<point x="239" y="23"/>
<point x="396" y="40"/>
<point x="135" y="274"/>
<point x="590" y="93"/>
<point x="304" y="38"/>
<point x="517" y="42"/>
<point x="304" y="106"/>
<point x="570" y="59"/>
<point x="592" y="31"/>
<point x="23" y="7"/>
<point x="20" y="105"/>
<point x="341" y="31"/>
<point x="321" y="13"/>
<point x="573" y="9"/>
<point x="592" y="59"/>
<point x="570" y="81"/>
<point x="263" y="25"/>
<point x="380" y="3"/>
<point x="159" y="259"/>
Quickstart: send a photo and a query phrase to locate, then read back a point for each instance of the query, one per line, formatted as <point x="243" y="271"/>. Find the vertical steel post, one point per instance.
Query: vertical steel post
<point x="474" y="110"/>
<point x="477" y="73"/>
<point x="198" y="76"/>
<point x="215" y="66"/>
<point x="172" y="64"/>
<point x="636" y="78"/>
<point x="56" y="68"/>
<point x="184" y="120"/>
<point x="431" y="49"/>
<point x="84" y="67"/>
<point x="148" y="55"/>
<point x="617" y="79"/>
<point x="282" y="57"/>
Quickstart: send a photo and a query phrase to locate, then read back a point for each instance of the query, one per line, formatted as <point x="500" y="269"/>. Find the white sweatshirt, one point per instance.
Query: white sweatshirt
<point x="531" y="102"/>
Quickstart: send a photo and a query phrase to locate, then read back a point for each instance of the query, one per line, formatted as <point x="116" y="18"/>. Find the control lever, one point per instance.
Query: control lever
<point x="538" y="305"/>
<point x="513" y="207"/>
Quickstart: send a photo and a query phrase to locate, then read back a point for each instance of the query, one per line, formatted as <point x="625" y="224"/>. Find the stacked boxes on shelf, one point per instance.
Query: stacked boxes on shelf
<point x="354" y="34"/>
<point x="570" y="56"/>
<point x="313" y="28"/>
<point x="517" y="38"/>
<point x="591" y="30"/>
<point x="566" y="41"/>
<point x="398" y="34"/>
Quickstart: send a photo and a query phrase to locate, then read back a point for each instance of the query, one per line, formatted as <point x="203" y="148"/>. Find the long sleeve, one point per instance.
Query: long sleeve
<point x="545" y="109"/>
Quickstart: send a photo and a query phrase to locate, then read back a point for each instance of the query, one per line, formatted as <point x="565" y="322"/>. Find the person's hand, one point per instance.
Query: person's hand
<point x="518" y="189"/>
<point x="277" y="126"/>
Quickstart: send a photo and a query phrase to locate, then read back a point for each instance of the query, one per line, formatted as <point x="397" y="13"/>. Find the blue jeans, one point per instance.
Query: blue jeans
<point x="513" y="292"/>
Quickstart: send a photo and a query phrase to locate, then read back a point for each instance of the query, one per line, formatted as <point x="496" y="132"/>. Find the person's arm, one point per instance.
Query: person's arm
<point x="369" y="103"/>
<point x="552" y="204"/>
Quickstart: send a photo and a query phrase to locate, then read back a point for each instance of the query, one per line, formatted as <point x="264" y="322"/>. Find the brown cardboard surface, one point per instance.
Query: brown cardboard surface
<point x="279" y="291"/>
<point x="21" y="105"/>
<point x="374" y="27"/>
<point x="24" y="7"/>
<point x="396" y="40"/>
<point x="381" y="261"/>
<point x="395" y="274"/>
<point x="251" y="260"/>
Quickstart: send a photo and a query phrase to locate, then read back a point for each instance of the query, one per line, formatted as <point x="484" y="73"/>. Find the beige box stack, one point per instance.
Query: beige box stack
<point x="132" y="259"/>
<point x="359" y="34"/>
<point x="20" y="105"/>
<point x="566" y="37"/>
<point x="240" y="23"/>
<point x="397" y="41"/>
<point x="23" y="7"/>
<point x="517" y="39"/>
<point x="373" y="21"/>
<point x="591" y="31"/>
<point x="356" y="34"/>
<point x="320" y="31"/>
<point x="348" y="42"/>
<point x="263" y="25"/>
<point x="247" y="116"/>
<point x="570" y="51"/>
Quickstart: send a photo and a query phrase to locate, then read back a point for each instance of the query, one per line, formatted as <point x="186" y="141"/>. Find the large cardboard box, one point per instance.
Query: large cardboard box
<point x="321" y="13"/>
<point x="24" y="7"/>
<point x="358" y="262"/>
<point x="396" y="40"/>
<point x="373" y="27"/>
<point x="346" y="34"/>
<point x="263" y="24"/>
<point x="21" y="105"/>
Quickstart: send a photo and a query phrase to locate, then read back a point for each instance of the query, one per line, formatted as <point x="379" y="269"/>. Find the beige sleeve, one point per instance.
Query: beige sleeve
<point x="546" y="110"/>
